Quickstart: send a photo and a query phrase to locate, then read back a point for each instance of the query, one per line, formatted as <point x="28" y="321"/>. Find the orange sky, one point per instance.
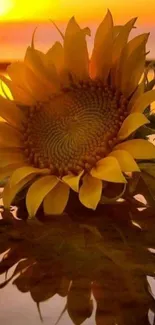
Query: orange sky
<point x="18" y="19"/>
<point x="84" y="10"/>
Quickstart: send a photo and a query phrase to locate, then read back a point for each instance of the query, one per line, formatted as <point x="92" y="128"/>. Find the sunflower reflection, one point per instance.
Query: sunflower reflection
<point x="104" y="259"/>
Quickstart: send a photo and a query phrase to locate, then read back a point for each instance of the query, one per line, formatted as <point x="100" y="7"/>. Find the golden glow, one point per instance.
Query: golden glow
<point x="5" y="7"/>
<point x="83" y="10"/>
<point x="29" y="10"/>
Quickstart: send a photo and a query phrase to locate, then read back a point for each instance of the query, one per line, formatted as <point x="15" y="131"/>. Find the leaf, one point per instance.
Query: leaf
<point x="150" y="182"/>
<point x="144" y="132"/>
<point x="132" y="182"/>
<point x="148" y="177"/>
<point x="148" y="168"/>
<point x="143" y="189"/>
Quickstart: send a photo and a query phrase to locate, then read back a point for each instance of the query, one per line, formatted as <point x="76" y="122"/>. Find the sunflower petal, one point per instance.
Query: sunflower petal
<point x="125" y="160"/>
<point x="138" y="148"/>
<point x="101" y="59"/>
<point x="56" y="200"/>
<point x="131" y="124"/>
<point x="116" y="30"/>
<point x="90" y="192"/>
<point x="73" y="181"/>
<point x="9" y="193"/>
<point x="20" y="95"/>
<point x="25" y="171"/>
<point x="127" y="66"/>
<point x="8" y="170"/>
<point x="16" y="72"/>
<point x="144" y="101"/>
<point x="121" y="39"/>
<point x="34" y="197"/>
<point x="108" y="169"/>
<point x="35" y="62"/>
<point x="76" y="61"/>
<point x="21" y="74"/>
<point x="55" y="55"/>
<point x="119" y="44"/>
<point x="10" y="156"/>
<point x="11" y="113"/>
<point x="9" y="137"/>
<point x="134" y="68"/>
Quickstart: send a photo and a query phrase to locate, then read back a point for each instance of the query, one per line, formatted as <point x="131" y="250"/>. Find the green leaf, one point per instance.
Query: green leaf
<point x="148" y="168"/>
<point x="133" y="182"/>
<point x="148" y="176"/>
<point x="150" y="182"/>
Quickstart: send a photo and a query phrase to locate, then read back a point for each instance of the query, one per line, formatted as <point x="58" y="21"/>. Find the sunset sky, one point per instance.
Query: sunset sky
<point x="18" y="19"/>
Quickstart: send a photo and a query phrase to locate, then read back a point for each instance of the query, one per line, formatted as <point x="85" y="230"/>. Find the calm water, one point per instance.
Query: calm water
<point x="96" y="267"/>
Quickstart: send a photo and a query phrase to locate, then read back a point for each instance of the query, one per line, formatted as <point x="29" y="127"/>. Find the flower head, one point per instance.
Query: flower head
<point x="71" y="122"/>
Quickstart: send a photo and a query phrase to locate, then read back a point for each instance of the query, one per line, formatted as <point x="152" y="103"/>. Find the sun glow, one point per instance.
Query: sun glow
<point x="5" y="7"/>
<point x="62" y="10"/>
<point x="26" y="10"/>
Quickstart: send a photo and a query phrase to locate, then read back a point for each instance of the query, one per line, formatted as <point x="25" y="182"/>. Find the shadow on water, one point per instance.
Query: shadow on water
<point x="81" y="255"/>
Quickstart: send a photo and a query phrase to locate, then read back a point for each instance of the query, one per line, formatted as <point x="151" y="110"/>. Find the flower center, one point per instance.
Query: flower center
<point x="75" y="129"/>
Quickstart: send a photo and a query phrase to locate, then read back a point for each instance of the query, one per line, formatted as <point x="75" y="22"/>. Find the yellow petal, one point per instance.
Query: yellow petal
<point x="138" y="148"/>
<point x="108" y="169"/>
<point x="35" y="62"/>
<point x="7" y="171"/>
<point x="128" y="62"/>
<point x="9" y="193"/>
<point x="25" y="171"/>
<point x="37" y="192"/>
<point x="55" y="56"/>
<point x="73" y="181"/>
<point x="11" y="113"/>
<point x="144" y="101"/>
<point x="9" y="137"/>
<point x="121" y="39"/>
<point x="119" y="43"/>
<point x="117" y="29"/>
<point x="138" y="92"/>
<point x="10" y="156"/>
<point x="56" y="200"/>
<point x="125" y="160"/>
<point x="131" y="124"/>
<point x="134" y="68"/>
<point x="75" y="50"/>
<point x="90" y="192"/>
<point x="19" y="94"/>
<point x="16" y="72"/>
<point x="101" y="59"/>
<point x="21" y="74"/>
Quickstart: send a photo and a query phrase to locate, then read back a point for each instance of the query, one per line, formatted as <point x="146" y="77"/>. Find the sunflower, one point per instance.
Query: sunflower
<point x="71" y="119"/>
